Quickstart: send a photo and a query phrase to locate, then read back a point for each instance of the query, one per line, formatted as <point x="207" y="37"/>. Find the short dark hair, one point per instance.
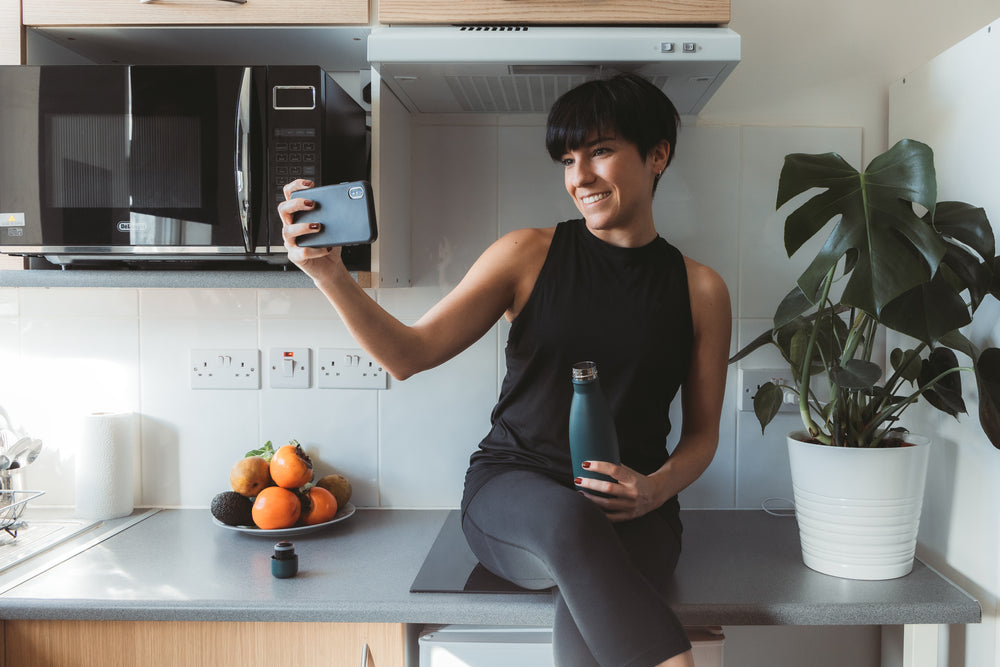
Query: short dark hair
<point x="625" y="105"/>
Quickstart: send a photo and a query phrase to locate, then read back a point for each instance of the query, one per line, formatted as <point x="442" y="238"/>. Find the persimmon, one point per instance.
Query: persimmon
<point x="291" y="467"/>
<point x="249" y="475"/>
<point x="318" y="506"/>
<point x="276" y="507"/>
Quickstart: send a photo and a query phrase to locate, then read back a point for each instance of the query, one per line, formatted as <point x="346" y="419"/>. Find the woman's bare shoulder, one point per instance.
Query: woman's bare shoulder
<point x="529" y="238"/>
<point x="708" y="292"/>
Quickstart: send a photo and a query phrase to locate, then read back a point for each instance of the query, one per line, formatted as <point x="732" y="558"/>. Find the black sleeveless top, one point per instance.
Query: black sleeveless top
<point x="628" y="310"/>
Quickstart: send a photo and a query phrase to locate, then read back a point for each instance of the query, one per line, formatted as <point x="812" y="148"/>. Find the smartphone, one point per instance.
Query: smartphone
<point x="346" y="211"/>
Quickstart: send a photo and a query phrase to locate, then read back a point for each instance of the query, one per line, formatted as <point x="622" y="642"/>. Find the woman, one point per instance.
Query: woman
<point x="607" y="289"/>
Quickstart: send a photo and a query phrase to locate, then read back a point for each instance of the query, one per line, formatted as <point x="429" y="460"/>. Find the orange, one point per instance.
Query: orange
<point x="318" y="506"/>
<point x="249" y="475"/>
<point x="291" y="467"/>
<point x="276" y="507"/>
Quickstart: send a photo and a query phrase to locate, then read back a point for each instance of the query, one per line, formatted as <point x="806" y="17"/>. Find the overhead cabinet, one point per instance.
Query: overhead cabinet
<point x="195" y="12"/>
<point x="650" y="12"/>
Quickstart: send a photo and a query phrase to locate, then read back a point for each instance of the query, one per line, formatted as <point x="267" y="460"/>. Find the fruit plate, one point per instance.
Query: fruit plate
<point x="343" y="513"/>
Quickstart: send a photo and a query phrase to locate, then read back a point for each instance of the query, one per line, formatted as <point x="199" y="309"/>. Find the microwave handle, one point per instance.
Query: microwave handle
<point x="242" y="167"/>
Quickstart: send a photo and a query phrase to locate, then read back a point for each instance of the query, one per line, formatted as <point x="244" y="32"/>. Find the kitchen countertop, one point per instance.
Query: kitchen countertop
<point x="148" y="278"/>
<point x="739" y="567"/>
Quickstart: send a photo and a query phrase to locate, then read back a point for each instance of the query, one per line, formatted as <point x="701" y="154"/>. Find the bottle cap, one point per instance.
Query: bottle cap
<point x="584" y="371"/>
<point x="284" y="562"/>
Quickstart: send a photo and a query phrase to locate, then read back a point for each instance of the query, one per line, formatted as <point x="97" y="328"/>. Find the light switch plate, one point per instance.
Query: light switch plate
<point x="288" y="367"/>
<point x="348" y="368"/>
<point x="225" y="368"/>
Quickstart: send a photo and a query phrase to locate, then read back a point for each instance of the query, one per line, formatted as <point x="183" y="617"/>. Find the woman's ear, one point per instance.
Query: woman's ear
<point x="660" y="155"/>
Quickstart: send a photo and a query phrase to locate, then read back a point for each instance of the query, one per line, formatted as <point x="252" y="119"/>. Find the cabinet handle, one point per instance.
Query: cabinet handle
<point x="239" y="2"/>
<point x="366" y="656"/>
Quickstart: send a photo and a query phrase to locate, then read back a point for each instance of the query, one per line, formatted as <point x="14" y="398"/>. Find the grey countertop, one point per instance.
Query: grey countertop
<point x="145" y="278"/>
<point x="738" y="568"/>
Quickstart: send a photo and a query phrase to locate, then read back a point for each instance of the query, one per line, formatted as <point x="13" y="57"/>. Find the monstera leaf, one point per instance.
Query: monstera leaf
<point x="889" y="248"/>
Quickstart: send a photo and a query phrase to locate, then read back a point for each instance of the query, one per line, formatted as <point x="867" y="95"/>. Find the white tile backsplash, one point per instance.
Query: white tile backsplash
<point x="8" y="302"/>
<point x="454" y="201"/>
<point x="201" y="304"/>
<point x="697" y="203"/>
<point x="431" y="423"/>
<point x="67" y="304"/>
<point x="407" y="446"/>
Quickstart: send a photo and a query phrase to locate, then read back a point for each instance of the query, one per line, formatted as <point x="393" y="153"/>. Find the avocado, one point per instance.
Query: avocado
<point x="232" y="509"/>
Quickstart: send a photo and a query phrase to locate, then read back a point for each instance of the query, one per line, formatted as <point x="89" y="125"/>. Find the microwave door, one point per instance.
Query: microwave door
<point x="138" y="161"/>
<point x="184" y="198"/>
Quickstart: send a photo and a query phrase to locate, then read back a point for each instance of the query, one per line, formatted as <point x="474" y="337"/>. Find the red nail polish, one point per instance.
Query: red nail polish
<point x="586" y="464"/>
<point x="578" y="480"/>
<point x="309" y="203"/>
<point x="314" y="225"/>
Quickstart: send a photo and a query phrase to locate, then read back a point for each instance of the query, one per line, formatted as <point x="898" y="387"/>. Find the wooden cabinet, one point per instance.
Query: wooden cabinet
<point x="196" y="644"/>
<point x="555" y="11"/>
<point x="11" y="41"/>
<point x="193" y="12"/>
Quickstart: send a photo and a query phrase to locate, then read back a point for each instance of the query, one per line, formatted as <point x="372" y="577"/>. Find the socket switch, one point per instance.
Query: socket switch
<point x="752" y="378"/>
<point x="289" y="367"/>
<point x="348" y="368"/>
<point x="225" y="368"/>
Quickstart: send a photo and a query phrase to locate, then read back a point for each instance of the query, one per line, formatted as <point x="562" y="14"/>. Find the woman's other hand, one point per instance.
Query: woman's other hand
<point x="631" y="496"/>
<point x="315" y="262"/>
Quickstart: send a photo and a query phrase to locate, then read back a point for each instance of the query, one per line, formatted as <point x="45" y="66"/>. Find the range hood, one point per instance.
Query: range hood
<point x="523" y="69"/>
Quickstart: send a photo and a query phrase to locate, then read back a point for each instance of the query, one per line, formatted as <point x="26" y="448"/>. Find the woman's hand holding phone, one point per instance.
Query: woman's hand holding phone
<point x="313" y="261"/>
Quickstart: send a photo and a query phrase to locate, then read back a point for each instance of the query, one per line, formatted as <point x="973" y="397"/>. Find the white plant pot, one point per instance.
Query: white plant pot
<point x="858" y="509"/>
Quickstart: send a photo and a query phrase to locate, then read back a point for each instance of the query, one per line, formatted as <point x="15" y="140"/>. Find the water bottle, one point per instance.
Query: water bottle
<point x="592" y="435"/>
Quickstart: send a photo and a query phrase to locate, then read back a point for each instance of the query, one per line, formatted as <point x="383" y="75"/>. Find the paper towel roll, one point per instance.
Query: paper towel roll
<point x="104" y="476"/>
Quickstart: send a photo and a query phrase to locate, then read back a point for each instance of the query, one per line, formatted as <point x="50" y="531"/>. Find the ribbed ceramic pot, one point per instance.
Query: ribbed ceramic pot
<point x="858" y="509"/>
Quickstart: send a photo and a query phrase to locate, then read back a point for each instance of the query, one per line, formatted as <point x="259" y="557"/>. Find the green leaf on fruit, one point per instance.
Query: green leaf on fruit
<point x="265" y="452"/>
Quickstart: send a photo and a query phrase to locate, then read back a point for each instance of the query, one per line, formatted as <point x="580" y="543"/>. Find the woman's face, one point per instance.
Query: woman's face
<point x="610" y="183"/>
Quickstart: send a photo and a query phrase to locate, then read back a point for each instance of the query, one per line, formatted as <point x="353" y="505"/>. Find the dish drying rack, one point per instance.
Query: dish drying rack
<point x="12" y="505"/>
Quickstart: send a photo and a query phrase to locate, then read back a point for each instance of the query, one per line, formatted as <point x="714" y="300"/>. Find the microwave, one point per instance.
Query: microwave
<point x="164" y="165"/>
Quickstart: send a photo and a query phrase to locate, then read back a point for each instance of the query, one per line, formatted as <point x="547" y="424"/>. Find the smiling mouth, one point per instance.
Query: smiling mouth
<point x="590" y="199"/>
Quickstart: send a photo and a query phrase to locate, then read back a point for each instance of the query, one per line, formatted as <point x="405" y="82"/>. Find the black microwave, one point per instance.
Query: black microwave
<point x="127" y="164"/>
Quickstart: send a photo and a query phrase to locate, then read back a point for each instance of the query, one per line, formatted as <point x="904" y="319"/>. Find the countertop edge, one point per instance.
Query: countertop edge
<point x="381" y="550"/>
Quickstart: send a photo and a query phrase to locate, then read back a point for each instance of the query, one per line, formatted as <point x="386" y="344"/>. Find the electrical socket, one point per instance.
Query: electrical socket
<point x="225" y="368"/>
<point x="348" y="368"/>
<point x="752" y="378"/>
<point x="289" y="367"/>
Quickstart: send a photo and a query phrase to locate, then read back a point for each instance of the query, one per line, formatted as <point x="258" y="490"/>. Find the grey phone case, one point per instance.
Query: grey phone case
<point x="346" y="211"/>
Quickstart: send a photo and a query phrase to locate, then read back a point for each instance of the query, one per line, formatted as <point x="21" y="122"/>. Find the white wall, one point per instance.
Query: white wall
<point x="950" y="103"/>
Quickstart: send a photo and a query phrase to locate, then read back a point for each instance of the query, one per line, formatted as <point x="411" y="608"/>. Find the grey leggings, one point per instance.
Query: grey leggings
<point x="535" y="532"/>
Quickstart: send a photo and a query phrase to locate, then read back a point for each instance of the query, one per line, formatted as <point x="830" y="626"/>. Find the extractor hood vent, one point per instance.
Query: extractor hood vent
<point x="516" y="69"/>
<point x="521" y="92"/>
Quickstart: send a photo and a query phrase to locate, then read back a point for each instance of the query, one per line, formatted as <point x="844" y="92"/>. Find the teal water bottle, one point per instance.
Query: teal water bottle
<point x="592" y="435"/>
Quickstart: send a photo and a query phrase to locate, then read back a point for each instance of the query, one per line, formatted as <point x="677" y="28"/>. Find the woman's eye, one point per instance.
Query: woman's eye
<point x="602" y="150"/>
<point x="567" y="162"/>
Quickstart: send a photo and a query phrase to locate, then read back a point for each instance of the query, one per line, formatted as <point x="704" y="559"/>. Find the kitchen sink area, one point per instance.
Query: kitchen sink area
<point x="48" y="536"/>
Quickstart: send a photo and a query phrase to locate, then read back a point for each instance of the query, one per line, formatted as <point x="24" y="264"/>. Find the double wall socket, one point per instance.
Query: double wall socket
<point x="752" y="378"/>
<point x="225" y="369"/>
<point x="348" y="368"/>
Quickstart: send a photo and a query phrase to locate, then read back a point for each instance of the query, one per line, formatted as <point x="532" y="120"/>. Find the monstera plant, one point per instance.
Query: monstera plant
<point x="895" y="258"/>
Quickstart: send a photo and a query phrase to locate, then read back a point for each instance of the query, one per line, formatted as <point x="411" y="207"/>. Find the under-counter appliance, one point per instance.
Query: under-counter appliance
<point x="133" y="163"/>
